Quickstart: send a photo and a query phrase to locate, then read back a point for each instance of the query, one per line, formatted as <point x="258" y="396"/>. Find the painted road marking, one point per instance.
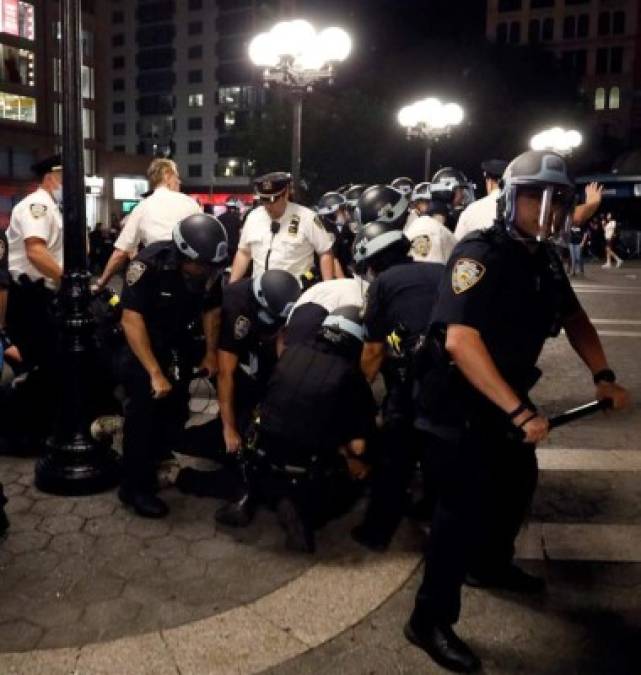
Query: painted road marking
<point x="565" y="459"/>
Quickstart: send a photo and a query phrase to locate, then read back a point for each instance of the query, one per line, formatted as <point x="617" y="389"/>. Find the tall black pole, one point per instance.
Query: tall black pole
<point x="73" y="463"/>
<point x="297" y="121"/>
<point x="428" y="160"/>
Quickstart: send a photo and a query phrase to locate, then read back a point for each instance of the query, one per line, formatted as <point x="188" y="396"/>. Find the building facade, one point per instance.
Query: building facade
<point x="599" y="39"/>
<point x="181" y="85"/>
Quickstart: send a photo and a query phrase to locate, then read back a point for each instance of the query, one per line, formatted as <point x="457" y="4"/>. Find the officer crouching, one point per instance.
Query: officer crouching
<point x="315" y="419"/>
<point x="167" y="286"/>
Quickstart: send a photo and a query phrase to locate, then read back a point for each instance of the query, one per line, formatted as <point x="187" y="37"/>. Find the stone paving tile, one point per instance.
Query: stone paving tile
<point x="73" y="543"/>
<point x="95" y="507"/>
<point x="19" y="635"/>
<point x="21" y="542"/>
<point x="98" y="587"/>
<point x="18" y="504"/>
<point x="165" y="547"/>
<point x="107" y="616"/>
<point x="58" y="662"/>
<point x="134" y="566"/>
<point x="61" y="524"/>
<point x="53" y="506"/>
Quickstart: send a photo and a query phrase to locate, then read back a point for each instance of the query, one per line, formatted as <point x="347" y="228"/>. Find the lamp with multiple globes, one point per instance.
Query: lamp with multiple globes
<point x="430" y="119"/>
<point x="294" y="55"/>
<point x="557" y="139"/>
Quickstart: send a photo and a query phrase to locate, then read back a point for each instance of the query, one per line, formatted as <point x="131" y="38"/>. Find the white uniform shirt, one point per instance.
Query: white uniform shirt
<point x="479" y="215"/>
<point x="37" y="215"/>
<point x="334" y="293"/>
<point x="431" y="241"/>
<point x="301" y="234"/>
<point x="610" y="230"/>
<point x="155" y="217"/>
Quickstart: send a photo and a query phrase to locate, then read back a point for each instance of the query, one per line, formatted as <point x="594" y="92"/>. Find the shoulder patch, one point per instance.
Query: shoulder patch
<point x="135" y="270"/>
<point x="466" y="274"/>
<point x="3" y="249"/>
<point x="422" y="246"/>
<point x="242" y="327"/>
<point x="38" y="210"/>
<point x="319" y="223"/>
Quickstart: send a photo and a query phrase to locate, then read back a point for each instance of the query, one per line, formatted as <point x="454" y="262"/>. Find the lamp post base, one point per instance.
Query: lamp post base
<point x="77" y="468"/>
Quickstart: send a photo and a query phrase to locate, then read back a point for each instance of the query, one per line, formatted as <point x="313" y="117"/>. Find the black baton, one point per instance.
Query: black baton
<point x="568" y="416"/>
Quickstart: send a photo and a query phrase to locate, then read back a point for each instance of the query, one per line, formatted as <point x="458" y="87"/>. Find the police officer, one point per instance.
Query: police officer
<point x="153" y="219"/>
<point x="5" y="282"/>
<point x="254" y="313"/>
<point x="282" y="235"/>
<point x="398" y="308"/>
<point x="335" y="214"/>
<point x="481" y="214"/>
<point x="420" y="201"/>
<point x="451" y="189"/>
<point x="168" y="286"/>
<point x="316" y="402"/>
<point x="503" y="294"/>
<point x="233" y="224"/>
<point x="383" y="204"/>
<point x="316" y="303"/>
<point x="430" y="240"/>
<point x="34" y="238"/>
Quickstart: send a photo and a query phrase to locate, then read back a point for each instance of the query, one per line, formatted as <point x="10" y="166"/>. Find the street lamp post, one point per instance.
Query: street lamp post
<point x="296" y="57"/>
<point x="558" y="140"/>
<point x="430" y="120"/>
<point x="73" y="463"/>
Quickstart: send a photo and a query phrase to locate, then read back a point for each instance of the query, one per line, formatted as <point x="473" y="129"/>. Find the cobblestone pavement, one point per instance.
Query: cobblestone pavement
<point x="75" y="571"/>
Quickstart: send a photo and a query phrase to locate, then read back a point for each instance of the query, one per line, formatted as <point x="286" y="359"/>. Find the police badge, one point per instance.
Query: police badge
<point x="135" y="270"/>
<point x="422" y="246"/>
<point x="242" y="327"/>
<point x="466" y="273"/>
<point x="293" y="225"/>
<point x="37" y="210"/>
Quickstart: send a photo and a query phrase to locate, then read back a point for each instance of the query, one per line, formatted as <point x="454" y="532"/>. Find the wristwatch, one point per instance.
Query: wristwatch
<point x="605" y="375"/>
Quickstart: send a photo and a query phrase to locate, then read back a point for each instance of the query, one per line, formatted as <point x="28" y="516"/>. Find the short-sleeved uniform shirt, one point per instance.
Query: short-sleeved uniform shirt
<point x="479" y="215"/>
<point x="610" y="230"/>
<point x="317" y="302"/>
<point x="37" y="215"/>
<point x="155" y="217"/>
<point x="301" y="234"/>
<point x="402" y="295"/>
<point x="431" y="241"/>
<point x="154" y="287"/>
<point x="513" y="297"/>
<point x="243" y="334"/>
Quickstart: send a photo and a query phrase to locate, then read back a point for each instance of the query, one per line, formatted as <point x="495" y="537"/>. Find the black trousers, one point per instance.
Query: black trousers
<point x="486" y="483"/>
<point x="152" y="427"/>
<point x="320" y="486"/>
<point x="33" y="329"/>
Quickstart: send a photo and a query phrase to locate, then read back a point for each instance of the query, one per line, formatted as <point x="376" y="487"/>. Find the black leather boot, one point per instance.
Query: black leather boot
<point x="145" y="504"/>
<point x="444" y="646"/>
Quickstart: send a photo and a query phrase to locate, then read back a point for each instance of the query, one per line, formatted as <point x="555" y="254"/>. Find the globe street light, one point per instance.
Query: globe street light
<point x="557" y="139"/>
<point x="294" y="55"/>
<point x="430" y="119"/>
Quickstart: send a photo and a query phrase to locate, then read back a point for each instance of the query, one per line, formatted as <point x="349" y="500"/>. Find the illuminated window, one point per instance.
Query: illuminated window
<point x="88" y="123"/>
<point x="16" y="66"/>
<point x="615" y="98"/>
<point x="18" y="108"/>
<point x="196" y="100"/>
<point x="599" y="99"/>
<point x="17" y="18"/>
<point x="230" y="119"/>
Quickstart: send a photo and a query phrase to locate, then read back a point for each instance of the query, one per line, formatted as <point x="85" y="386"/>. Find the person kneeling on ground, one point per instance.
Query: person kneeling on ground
<point x="315" y="419"/>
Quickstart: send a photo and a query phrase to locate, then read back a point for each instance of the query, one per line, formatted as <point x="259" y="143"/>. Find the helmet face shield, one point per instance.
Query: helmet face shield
<point x="542" y="211"/>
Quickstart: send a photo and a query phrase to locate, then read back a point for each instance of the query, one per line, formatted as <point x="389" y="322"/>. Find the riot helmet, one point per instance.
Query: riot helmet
<point x="201" y="238"/>
<point x="539" y="180"/>
<point x="404" y="185"/>
<point x="276" y="291"/>
<point x="353" y="194"/>
<point x="422" y="191"/>
<point x="383" y="204"/>
<point x="330" y="203"/>
<point x="344" y="329"/>
<point x="378" y="246"/>
<point x="451" y="186"/>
